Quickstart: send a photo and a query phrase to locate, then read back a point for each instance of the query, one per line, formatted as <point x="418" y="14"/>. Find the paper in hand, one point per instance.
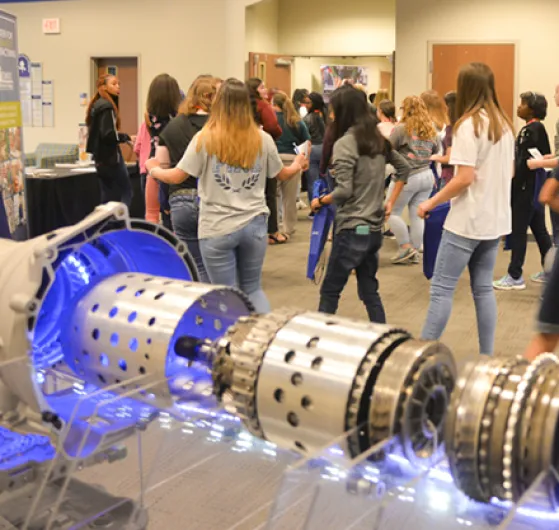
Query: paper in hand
<point x="535" y="153"/>
<point x="301" y="149"/>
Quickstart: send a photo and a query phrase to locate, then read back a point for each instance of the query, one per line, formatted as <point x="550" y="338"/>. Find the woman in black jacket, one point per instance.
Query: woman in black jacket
<point x="104" y="139"/>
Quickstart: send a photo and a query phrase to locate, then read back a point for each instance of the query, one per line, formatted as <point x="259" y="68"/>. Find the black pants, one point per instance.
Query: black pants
<point x="115" y="183"/>
<point x="524" y="216"/>
<point x="548" y="319"/>
<point x="272" y="203"/>
<point x="351" y="251"/>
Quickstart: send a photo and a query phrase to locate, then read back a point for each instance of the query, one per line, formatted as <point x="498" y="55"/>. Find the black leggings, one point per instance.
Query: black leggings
<point x="272" y="203"/>
<point x="524" y="216"/>
<point x="115" y="183"/>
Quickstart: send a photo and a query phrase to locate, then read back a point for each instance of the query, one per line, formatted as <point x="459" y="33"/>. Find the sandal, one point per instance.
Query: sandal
<point x="274" y="240"/>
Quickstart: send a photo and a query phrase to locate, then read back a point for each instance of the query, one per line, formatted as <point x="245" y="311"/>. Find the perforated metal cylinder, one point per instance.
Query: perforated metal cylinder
<point x="128" y="325"/>
<point x="312" y="385"/>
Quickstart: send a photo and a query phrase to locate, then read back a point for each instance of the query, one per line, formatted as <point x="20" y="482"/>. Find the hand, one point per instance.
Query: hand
<point x="435" y="158"/>
<point x="152" y="163"/>
<point x="548" y="157"/>
<point x="387" y="211"/>
<point x="424" y="209"/>
<point x="534" y="163"/>
<point x="133" y="139"/>
<point x="315" y="205"/>
<point x="301" y="159"/>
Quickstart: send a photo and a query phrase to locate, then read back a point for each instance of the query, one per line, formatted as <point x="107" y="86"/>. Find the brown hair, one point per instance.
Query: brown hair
<point x="450" y="100"/>
<point x="416" y="118"/>
<point x="103" y="93"/>
<point x="436" y="107"/>
<point x="231" y="134"/>
<point x="476" y="93"/>
<point x="381" y="95"/>
<point x="200" y="95"/>
<point x="164" y="96"/>
<point x="388" y="108"/>
<point x="253" y="83"/>
<point x="282" y="101"/>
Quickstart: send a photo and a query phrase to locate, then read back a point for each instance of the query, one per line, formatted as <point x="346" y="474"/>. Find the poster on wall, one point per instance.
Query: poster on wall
<point x="11" y="166"/>
<point x="25" y="90"/>
<point x="335" y="76"/>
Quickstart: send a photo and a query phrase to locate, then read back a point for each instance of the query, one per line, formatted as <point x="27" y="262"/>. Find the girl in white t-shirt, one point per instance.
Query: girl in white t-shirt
<point x="480" y="214"/>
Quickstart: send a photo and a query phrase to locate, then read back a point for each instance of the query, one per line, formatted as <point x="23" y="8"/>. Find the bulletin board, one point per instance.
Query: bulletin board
<point x="334" y="76"/>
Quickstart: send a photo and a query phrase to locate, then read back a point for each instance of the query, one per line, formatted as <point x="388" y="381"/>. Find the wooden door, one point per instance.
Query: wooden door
<point x="274" y="70"/>
<point x="449" y="58"/>
<point x="126" y="69"/>
<point x="386" y="82"/>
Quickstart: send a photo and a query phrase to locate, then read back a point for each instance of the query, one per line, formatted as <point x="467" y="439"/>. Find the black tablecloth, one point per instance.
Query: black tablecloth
<point x="54" y="202"/>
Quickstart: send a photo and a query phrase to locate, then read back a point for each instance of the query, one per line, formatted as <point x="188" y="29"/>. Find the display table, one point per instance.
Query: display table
<point x="63" y="197"/>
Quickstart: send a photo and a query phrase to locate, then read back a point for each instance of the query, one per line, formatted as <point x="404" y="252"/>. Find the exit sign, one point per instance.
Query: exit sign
<point x="51" y="26"/>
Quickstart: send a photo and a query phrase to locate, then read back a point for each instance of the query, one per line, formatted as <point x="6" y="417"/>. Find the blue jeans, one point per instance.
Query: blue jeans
<point x="313" y="173"/>
<point x="455" y="254"/>
<point x="417" y="190"/>
<point x="184" y="218"/>
<point x="352" y="251"/>
<point x="236" y="260"/>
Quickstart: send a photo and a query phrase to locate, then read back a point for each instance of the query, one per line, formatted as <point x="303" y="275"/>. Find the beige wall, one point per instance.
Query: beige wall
<point x="306" y="70"/>
<point x="328" y="27"/>
<point x="262" y="27"/>
<point x="166" y="40"/>
<point x="479" y="21"/>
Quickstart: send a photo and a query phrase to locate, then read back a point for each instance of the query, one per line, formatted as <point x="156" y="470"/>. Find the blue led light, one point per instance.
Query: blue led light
<point x="103" y="359"/>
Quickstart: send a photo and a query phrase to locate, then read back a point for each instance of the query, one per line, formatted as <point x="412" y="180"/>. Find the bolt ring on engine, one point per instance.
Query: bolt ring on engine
<point x="411" y="397"/>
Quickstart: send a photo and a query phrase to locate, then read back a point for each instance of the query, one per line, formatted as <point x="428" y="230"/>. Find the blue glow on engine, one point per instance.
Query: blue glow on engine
<point x="77" y="271"/>
<point x="17" y="449"/>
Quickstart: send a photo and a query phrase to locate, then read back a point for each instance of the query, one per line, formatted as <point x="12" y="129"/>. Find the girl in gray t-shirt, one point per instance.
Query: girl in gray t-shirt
<point x="232" y="158"/>
<point x="416" y="139"/>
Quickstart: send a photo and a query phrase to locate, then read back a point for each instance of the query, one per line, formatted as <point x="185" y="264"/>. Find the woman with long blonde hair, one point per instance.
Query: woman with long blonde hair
<point x="232" y="157"/>
<point x="480" y="213"/>
<point x="294" y="133"/>
<point x="416" y="139"/>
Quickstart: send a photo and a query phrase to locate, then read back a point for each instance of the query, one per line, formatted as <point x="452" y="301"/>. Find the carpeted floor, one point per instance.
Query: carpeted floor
<point x="405" y="294"/>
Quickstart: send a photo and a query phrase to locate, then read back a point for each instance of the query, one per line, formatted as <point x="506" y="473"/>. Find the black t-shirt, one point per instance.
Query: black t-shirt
<point x="176" y="137"/>
<point x="532" y="135"/>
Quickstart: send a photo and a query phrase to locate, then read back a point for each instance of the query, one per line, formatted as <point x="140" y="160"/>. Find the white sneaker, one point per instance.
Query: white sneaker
<point x="508" y="283"/>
